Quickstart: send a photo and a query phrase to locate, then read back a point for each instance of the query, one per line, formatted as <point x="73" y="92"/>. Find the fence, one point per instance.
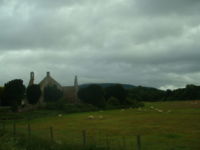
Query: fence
<point x="84" y="138"/>
<point x="97" y="138"/>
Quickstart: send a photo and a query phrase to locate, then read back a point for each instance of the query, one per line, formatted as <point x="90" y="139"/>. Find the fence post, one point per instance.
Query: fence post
<point x="107" y="142"/>
<point x="84" y="137"/>
<point x="51" y="133"/>
<point x="3" y="126"/>
<point x="124" y="143"/>
<point x="138" y="142"/>
<point x="14" y="128"/>
<point x="29" y="129"/>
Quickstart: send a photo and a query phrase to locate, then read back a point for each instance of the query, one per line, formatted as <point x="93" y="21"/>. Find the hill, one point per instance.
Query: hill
<point x="104" y="85"/>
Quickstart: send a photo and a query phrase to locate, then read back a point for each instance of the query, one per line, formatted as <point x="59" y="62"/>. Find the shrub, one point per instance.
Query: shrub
<point x="52" y="93"/>
<point x="93" y="94"/>
<point x="33" y="93"/>
<point x="112" y="103"/>
<point x="116" y="91"/>
<point x="8" y="142"/>
<point x="70" y="108"/>
<point x="13" y="93"/>
<point x="134" y="103"/>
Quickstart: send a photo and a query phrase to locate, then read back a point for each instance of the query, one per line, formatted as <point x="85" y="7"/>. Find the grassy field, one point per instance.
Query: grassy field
<point x="161" y="125"/>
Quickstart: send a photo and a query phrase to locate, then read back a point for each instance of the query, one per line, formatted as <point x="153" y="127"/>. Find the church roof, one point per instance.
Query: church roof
<point x="48" y="80"/>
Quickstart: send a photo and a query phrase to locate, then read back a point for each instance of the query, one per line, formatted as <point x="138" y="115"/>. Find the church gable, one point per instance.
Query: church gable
<point x="69" y="92"/>
<point x="49" y="81"/>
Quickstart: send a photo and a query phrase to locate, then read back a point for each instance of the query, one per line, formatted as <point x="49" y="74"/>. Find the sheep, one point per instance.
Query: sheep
<point x="151" y="107"/>
<point x="100" y="117"/>
<point x="91" y="117"/>
<point x="59" y="115"/>
<point x="159" y="110"/>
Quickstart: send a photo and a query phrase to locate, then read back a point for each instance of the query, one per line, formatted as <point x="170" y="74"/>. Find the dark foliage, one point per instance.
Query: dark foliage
<point x="21" y="142"/>
<point x="70" y="108"/>
<point x="13" y="93"/>
<point x="190" y="92"/>
<point x="146" y="94"/>
<point x="112" y="103"/>
<point x="1" y="94"/>
<point x="33" y="93"/>
<point x="93" y="94"/>
<point x="134" y="103"/>
<point x="116" y="91"/>
<point x="105" y="85"/>
<point x="52" y="93"/>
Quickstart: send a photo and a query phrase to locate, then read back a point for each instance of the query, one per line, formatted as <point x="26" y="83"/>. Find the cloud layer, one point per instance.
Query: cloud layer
<point x="151" y="43"/>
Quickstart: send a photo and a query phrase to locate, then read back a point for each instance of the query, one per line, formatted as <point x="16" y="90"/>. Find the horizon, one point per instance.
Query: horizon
<point x="37" y="81"/>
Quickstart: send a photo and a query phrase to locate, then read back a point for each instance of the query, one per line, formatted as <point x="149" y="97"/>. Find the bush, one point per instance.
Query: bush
<point x="4" y="109"/>
<point x="33" y="93"/>
<point x="112" y="103"/>
<point x="59" y="105"/>
<point x="52" y="94"/>
<point x="70" y="108"/>
<point x="8" y="142"/>
<point x="116" y="91"/>
<point x="134" y="103"/>
<point x="13" y="93"/>
<point x="93" y="94"/>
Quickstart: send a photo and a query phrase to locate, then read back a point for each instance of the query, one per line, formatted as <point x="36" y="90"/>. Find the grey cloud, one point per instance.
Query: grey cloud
<point x="160" y="7"/>
<point x="151" y="43"/>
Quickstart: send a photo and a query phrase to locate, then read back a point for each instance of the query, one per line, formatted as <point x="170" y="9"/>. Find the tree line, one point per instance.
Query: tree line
<point x="15" y="94"/>
<point x="117" y="95"/>
<point x="114" y="96"/>
<point x="190" y="92"/>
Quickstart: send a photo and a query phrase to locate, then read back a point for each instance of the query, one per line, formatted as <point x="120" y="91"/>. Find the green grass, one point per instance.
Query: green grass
<point x="176" y="128"/>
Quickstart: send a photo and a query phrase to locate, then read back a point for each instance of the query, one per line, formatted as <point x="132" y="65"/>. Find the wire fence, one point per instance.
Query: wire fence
<point x="98" y="138"/>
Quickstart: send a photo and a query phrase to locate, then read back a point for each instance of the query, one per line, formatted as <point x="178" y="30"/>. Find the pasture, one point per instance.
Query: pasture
<point x="161" y="125"/>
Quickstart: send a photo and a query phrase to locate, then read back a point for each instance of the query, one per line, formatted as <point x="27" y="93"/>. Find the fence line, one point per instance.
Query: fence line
<point x="108" y="142"/>
<point x="14" y="128"/>
<point x="51" y="133"/>
<point x="29" y="129"/>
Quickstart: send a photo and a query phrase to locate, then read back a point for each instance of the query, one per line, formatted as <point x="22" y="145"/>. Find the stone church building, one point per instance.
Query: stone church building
<point x="69" y="92"/>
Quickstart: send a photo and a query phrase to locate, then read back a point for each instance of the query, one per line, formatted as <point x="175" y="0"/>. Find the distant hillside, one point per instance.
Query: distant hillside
<point x="104" y="85"/>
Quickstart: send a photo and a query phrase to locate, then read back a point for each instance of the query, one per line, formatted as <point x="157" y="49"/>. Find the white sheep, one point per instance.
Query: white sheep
<point x="59" y="115"/>
<point x="91" y="117"/>
<point x="152" y="107"/>
<point x="100" y="117"/>
<point x="159" y="110"/>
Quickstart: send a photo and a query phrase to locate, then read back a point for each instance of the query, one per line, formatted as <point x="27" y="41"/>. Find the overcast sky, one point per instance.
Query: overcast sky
<point x="152" y="43"/>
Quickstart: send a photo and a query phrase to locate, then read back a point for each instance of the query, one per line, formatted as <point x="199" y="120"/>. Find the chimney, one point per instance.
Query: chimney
<point x="32" y="76"/>
<point x="31" y="82"/>
<point x="76" y="89"/>
<point x="76" y="84"/>
<point x="48" y="74"/>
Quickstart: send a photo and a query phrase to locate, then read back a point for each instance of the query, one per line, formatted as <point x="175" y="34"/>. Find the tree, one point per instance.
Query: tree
<point x="52" y="93"/>
<point x="146" y="94"/>
<point x="116" y="91"/>
<point x="13" y="93"/>
<point x="112" y="102"/>
<point x="1" y="94"/>
<point x="33" y="93"/>
<point x="93" y="94"/>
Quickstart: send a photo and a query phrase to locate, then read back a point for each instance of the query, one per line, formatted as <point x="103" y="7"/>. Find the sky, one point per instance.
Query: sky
<point x="152" y="43"/>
